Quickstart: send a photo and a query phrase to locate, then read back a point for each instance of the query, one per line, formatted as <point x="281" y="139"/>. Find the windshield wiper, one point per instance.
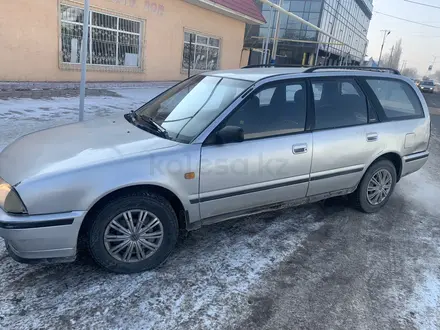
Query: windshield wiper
<point x="143" y="119"/>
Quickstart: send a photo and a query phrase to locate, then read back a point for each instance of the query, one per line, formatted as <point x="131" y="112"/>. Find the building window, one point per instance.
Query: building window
<point x="204" y="54"/>
<point x="113" y="41"/>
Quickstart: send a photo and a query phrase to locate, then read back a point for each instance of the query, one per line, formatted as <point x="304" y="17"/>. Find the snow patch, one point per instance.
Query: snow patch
<point x="22" y="116"/>
<point x="425" y="303"/>
<point x="418" y="188"/>
<point x="205" y="281"/>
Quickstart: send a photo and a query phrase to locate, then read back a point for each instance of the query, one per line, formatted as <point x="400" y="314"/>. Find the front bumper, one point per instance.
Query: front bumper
<point x="45" y="237"/>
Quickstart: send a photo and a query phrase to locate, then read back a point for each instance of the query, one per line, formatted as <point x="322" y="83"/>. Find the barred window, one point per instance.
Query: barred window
<point x="205" y="52"/>
<point x="112" y="40"/>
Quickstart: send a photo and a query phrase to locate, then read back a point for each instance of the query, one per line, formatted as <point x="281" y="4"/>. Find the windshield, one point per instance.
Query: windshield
<point x="428" y="83"/>
<point x="186" y="109"/>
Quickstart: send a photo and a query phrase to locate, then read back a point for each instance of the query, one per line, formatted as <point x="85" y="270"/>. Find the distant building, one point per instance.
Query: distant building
<point x="347" y="20"/>
<point x="129" y="40"/>
<point x="371" y="63"/>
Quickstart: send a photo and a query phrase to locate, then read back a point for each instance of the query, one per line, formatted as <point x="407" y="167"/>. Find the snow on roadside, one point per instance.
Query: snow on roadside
<point x="206" y="282"/>
<point x="425" y="303"/>
<point x="204" y="285"/>
<point x="22" y="116"/>
<point x="422" y="190"/>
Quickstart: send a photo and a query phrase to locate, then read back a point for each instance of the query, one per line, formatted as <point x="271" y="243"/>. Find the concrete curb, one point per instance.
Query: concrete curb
<point x="35" y="86"/>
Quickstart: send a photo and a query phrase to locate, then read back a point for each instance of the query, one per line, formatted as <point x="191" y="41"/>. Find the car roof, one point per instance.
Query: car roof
<point x="258" y="73"/>
<point x="254" y="74"/>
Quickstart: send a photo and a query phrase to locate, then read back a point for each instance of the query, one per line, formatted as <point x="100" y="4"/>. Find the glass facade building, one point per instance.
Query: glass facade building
<point x="347" y="20"/>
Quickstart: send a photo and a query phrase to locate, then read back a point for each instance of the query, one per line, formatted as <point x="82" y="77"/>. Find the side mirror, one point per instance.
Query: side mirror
<point x="230" y="134"/>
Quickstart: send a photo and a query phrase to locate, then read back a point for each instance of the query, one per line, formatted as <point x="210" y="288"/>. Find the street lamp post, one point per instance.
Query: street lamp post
<point x="435" y="59"/>
<point x="82" y="87"/>
<point x="386" y="33"/>
<point x="432" y="65"/>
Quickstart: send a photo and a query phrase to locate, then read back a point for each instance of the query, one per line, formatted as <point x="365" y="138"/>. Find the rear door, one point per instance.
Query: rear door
<point x="343" y="142"/>
<point x="404" y="125"/>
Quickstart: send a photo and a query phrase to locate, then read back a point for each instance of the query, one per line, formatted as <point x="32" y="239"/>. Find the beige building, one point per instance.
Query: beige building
<point x="129" y="40"/>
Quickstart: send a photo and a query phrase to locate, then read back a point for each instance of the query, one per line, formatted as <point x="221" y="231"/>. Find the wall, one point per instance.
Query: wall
<point x="246" y="52"/>
<point x="29" y="35"/>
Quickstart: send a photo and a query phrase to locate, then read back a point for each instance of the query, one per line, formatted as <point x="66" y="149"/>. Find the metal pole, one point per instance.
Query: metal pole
<point x="317" y="50"/>
<point x="277" y="32"/>
<point x="190" y="55"/>
<point x="335" y="21"/>
<point x="385" y="34"/>
<point x="269" y="35"/>
<point x="85" y="37"/>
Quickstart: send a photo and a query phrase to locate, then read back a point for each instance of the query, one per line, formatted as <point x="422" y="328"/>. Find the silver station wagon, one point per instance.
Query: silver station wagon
<point x="216" y="146"/>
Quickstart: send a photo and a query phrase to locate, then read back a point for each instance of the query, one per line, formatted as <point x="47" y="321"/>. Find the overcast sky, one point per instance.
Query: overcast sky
<point x="420" y="43"/>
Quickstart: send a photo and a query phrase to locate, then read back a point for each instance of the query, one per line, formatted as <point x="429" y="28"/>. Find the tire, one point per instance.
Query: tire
<point x="158" y="208"/>
<point x="361" y="196"/>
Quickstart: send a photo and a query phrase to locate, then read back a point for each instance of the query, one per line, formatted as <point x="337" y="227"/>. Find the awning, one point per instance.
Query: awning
<point x="244" y="10"/>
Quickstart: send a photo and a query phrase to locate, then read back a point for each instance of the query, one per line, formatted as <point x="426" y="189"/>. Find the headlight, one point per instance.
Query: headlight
<point x="9" y="199"/>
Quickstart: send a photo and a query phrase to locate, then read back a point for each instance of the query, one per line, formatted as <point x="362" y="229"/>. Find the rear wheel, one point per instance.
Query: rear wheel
<point x="133" y="233"/>
<point x="376" y="186"/>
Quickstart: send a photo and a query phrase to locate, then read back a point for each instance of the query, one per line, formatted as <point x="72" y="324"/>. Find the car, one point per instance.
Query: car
<point x="427" y="86"/>
<point x="217" y="146"/>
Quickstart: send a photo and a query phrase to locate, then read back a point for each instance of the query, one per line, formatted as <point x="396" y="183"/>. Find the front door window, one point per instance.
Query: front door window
<point x="273" y="111"/>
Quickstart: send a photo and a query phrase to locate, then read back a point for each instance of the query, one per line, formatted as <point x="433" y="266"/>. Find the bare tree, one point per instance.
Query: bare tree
<point x="392" y="59"/>
<point x="410" y="72"/>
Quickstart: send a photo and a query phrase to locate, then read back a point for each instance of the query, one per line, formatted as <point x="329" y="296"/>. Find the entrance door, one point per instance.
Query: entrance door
<point x="271" y="165"/>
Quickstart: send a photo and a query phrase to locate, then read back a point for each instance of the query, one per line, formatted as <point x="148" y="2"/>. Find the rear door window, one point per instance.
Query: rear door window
<point x="339" y="102"/>
<point x="398" y="99"/>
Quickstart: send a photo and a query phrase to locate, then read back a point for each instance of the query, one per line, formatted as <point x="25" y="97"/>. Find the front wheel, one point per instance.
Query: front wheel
<point x="133" y="233"/>
<point x="376" y="187"/>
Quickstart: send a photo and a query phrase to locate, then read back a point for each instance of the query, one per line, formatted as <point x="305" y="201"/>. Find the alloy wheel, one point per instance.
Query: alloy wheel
<point x="379" y="186"/>
<point x="133" y="236"/>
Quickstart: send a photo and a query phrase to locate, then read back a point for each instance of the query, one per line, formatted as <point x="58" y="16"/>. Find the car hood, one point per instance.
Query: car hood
<point x="74" y="146"/>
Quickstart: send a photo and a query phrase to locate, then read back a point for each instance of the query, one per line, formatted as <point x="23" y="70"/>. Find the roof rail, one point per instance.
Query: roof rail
<point x="274" y="66"/>
<point x="360" y="68"/>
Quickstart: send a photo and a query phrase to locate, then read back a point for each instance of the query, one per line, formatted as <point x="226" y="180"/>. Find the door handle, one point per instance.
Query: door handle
<point x="299" y="148"/>
<point x="371" y="137"/>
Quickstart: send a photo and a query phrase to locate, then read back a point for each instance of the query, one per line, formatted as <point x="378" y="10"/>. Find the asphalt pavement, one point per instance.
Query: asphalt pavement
<point x="363" y="271"/>
<point x="433" y="101"/>
<point x="320" y="266"/>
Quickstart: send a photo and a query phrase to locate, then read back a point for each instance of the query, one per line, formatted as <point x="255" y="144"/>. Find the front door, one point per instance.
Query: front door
<point x="271" y="165"/>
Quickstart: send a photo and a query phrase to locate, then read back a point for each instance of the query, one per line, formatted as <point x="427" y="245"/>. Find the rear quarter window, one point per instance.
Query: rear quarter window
<point x="398" y="99"/>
